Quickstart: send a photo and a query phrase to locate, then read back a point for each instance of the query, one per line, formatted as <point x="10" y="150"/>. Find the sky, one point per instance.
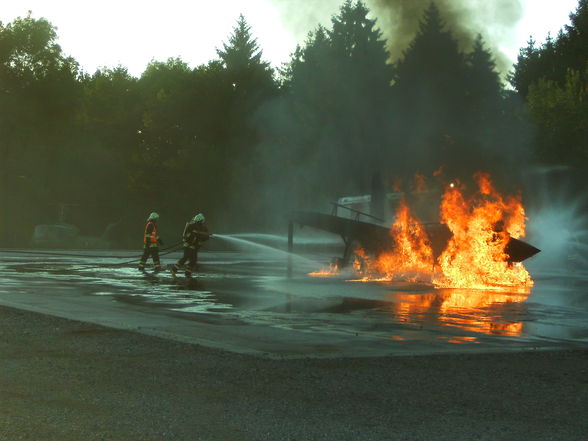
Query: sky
<point x="132" y="33"/>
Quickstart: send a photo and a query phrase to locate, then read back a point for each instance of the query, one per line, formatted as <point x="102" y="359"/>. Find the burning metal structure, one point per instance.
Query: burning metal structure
<point x="474" y="242"/>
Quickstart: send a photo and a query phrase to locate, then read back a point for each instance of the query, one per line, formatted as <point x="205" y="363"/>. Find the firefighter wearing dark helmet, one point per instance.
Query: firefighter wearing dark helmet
<point x="151" y="243"/>
<point x="194" y="235"/>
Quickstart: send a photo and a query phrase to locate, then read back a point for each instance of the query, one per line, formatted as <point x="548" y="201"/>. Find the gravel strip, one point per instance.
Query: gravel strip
<point x="65" y="380"/>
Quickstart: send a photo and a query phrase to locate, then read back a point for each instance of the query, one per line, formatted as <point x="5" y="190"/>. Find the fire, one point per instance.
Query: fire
<point x="331" y="271"/>
<point x="481" y="226"/>
<point x="420" y="183"/>
<point x="412" y="255"/>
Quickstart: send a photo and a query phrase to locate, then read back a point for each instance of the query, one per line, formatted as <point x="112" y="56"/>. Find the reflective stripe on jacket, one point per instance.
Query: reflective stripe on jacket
<point x="195" y="234"/>
<point x="151" y="237"/>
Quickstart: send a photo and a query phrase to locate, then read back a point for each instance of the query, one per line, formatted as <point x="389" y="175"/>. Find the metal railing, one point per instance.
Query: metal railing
<point x="357" y="213"/>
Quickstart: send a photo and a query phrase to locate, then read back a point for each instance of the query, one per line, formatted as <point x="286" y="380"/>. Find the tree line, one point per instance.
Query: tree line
<point x="246" y="143"/>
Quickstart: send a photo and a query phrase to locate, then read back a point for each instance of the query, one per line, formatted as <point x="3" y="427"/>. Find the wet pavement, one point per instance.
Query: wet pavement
<point x="242" y="300"/>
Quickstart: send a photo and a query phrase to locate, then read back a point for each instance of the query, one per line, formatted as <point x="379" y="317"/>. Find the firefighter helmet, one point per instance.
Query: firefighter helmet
<point x="153" y="216"/>
<point x="198" y="218"/>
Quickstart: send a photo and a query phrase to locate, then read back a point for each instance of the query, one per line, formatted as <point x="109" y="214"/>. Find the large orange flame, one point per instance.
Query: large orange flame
<point x="481" y="226"/>
<point x="412" y="256"/>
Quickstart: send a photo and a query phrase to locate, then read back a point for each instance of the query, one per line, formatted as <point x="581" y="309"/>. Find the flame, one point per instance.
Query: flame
<point x="396" y="185"/>
<point x="420" y="183"/>
<point x="481" y="225"/>
<point x="412" y="255"/>
<point x="331" y="271"/>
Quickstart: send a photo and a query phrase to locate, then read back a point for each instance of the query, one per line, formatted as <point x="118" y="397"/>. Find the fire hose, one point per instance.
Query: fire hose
<point x="164" y="251"/>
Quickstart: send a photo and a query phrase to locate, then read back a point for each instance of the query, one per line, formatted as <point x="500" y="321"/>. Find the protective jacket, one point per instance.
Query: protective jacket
<point x="151" y="237"/>
<point x="195" y="233"/>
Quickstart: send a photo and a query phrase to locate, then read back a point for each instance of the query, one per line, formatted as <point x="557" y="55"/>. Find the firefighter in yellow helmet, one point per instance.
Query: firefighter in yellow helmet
<point x="151" y="243"/>
<point x="194" y="235"/>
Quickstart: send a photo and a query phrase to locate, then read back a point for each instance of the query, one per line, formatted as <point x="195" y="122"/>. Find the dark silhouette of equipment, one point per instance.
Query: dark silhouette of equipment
<point x="374" y="238"/>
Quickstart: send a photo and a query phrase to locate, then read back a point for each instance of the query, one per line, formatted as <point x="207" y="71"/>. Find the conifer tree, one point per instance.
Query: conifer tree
<point x="552" y="59"/>
<point x="242" y="59"/>
<point x="484" y="93"/>
<point x="432" y="102"/>
<point x="525" y="73"/>
<point x="485" y="82"/>
<point x="356" y="40"/>
<point x="253" y="85"/>
<point x="573" y="43"/>
<point x="339" y="86"/>
<point x="553" y="79"/>
<point x="432" y="69"/>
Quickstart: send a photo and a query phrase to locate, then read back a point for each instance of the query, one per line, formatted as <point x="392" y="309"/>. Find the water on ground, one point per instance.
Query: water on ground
<point x="242" y="299"/>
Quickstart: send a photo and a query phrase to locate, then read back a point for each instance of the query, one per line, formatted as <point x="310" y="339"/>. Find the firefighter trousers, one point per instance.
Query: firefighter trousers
<point x="190" y="256"/>
<point x="154" y="253"/>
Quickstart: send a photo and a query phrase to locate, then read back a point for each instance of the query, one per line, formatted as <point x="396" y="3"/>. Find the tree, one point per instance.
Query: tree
<point x="166" y="130"/>
<point x="561" y="113"/>
<point x="484" y="115"/>
<point x="108" y="138"/>
<point x="433" y="66"/>
<point x="361" y="59"/>
<point x="112" y="110"/>
<point x="524" y="72"/>
<point x="552" y="59"/>
<point x="338" y="88"/>
<point x="534" y="63"/>
<point x="40" y="99"/>
<point x="357" y="44"/>
<point x="253" y="85"/>
<point x="431" y="96"/>
<point x="484" y="82"/>
<point x="553" y="80"/>
<point x="251" y="77"/>
<point x="573" y="43"/>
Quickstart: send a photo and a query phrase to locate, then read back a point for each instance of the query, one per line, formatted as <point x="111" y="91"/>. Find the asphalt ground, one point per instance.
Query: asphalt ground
<point x="90" y="350"/>
<point x="66" y="380"/>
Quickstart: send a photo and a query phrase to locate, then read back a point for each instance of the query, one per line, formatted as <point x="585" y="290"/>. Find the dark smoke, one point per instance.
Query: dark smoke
<point x="495" y="20"/>
<point x="399" y="21"/>
<point x="310" y="184"/>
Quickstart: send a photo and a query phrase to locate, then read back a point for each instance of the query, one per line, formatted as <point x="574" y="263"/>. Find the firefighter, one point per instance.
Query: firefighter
<point x="151" y="243"/>
<point x="195" y="234"/>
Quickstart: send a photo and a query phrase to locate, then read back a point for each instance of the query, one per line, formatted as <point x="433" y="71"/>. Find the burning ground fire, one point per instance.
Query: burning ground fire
<point x="474" y="257"/>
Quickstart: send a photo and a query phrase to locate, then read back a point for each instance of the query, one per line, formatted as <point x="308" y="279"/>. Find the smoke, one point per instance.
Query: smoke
<point x="399" y="21"/>
<point x="495" y="21"/>
<point x="558" y="221"/>
<point x="303" y="17"/>
<point x="308" y="163"/>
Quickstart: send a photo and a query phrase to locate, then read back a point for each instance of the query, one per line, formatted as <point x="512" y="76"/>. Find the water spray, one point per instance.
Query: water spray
<point x="289" y="255"/>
